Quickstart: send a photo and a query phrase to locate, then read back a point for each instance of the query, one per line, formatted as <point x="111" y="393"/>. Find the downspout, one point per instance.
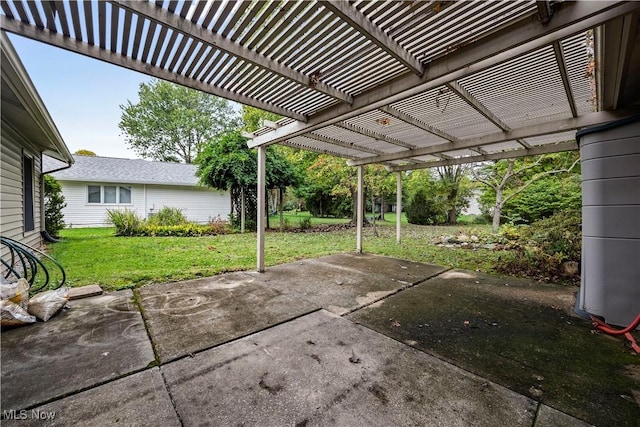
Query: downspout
<point x="43" y="231"/>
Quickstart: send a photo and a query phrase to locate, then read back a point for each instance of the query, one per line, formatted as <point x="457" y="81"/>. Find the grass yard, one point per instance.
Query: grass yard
<point x="292" y="219"/>
<point x="97" y="256"/>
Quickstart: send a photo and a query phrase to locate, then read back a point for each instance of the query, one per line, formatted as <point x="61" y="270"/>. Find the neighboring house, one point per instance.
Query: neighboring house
<point x="27" y="133"/>
<point x="94" y="184"/>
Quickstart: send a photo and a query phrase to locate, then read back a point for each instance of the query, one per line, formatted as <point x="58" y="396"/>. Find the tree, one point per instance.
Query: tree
<point x="172" y="122"/>
<point x="455" y="189"/>
<point x="331" y="187"/>
<point x="422" y="182"/>
<point x="421" y="209"/>
<point x="83" y="152"/>
<point x="227" y="163"/>
<point x="254" y="118"/>
<point x="53" y="205"/>
<point x="379" y="184"/>
<point x="507" y="179"/>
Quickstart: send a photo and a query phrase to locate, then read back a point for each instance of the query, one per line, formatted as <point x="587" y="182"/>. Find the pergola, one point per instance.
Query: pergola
<point x="408" y="84"/>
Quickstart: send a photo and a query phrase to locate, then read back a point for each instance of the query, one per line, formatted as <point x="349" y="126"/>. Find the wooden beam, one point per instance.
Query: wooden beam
<point x="393" y="112"/>
<point x="541" y="149"/>
<point x="339" y="143"/>
<point x="615" y="49"/>
<point x="374" y="135"/>
<point x="562" y="67"/>
<point x="476" y="104"/>
<point x="556" y="126"/>
<point x="73" y="45"/>
<point x="373" y="33"/>
<point x="197" y="32"/>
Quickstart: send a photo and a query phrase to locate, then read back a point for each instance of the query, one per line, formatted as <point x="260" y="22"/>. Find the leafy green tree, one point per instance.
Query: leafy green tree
<point x="83" y="152"/>
<point x="544" y="198"/>
<point x="422" y="209"/>
<point x="53" y="205"/>
<point x="254" y="118"/>
<point x="173" y="123"/>
<point x="330" y="187"/>
<point x="455" y="189"/>
<point x="227" y="163"/>
<point x="508" y="180"/>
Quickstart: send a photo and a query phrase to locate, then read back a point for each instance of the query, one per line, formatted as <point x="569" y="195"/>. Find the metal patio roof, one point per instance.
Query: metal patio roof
<point x="409" y="84"/>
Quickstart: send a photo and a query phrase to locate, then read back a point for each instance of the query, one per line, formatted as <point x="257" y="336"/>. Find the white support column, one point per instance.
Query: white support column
<point x="398" y="204"/>
<point x="360" y="207"/>
<point x="261" y="199"/>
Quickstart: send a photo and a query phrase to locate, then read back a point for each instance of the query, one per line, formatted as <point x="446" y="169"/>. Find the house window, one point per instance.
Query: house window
<point x="27" y="187"/>
<point x="94" y="194"/>
<point x="108" y="194"/>
<point x="125" y="194"/>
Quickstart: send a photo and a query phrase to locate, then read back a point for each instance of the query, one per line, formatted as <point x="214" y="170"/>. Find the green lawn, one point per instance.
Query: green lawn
<point x="292" y="219"/>
<point x="97" y="256"/>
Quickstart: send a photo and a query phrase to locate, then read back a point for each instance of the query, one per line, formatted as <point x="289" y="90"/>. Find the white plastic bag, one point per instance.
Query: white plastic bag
<point x="16" y="292"/>
<point x="11" y="314"/>
<point x="45" y="304"/>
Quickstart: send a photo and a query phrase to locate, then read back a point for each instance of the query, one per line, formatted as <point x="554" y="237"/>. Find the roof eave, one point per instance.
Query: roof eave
<point x="16" y="76"/>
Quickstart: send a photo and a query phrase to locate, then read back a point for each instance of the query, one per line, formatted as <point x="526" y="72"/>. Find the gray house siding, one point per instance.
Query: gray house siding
<point x="12" y="197"/>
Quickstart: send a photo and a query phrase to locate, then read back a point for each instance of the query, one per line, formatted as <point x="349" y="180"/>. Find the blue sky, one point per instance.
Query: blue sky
<point x="82" y="95"/>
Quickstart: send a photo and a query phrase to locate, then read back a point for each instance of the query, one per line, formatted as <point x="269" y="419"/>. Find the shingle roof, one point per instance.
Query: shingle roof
<point x="128" y="171"/>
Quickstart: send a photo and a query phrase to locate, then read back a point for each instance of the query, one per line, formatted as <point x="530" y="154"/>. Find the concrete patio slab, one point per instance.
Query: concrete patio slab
<point x="549" y="417"/>
<point x="137" y="400"/>
<point x="186" y="317"/>
<point x="95" y="340"/>
<point x="321" y="369"/>
<point x="344" y="282"/>
<point x="393" y="268"/>
<point x="518" y="333"/>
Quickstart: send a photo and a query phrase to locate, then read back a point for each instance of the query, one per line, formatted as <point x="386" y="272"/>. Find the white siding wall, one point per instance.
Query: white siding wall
<point x="198" y="204"/>
<point x="80" y="213"/>
<point x="11" y="188"/>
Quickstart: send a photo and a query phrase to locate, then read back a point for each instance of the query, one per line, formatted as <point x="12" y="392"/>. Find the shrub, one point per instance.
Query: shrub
<point x="560" y="233"/>
<point x="539" y="250"/>
<point x="219" y="226"/>
<point x="421" y="210"/>
<point x="305" y="223"/>
<point x="53" y="205"/>
<point x="126" y="222"/>
<point x="180" y="230"/>
<point x="168" y="216"/>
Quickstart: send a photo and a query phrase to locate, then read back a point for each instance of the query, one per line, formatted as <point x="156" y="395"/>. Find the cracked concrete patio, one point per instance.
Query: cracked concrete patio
<point x="340" y="340"/>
